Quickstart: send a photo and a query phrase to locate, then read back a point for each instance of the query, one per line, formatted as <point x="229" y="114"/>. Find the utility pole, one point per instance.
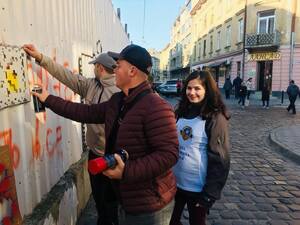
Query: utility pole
<point x="292" y="39"/>
<point x="244" y="40"/>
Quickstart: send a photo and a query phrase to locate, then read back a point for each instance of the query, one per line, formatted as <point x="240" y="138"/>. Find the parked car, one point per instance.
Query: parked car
<point x="155" y="85"/>
<point x="168" y="88"/>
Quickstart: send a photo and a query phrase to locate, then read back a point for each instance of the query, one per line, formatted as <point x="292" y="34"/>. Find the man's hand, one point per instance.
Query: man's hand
<point x="42" y="96"/>
<point x="117" y="172"/>
<point x="33" y="52"/>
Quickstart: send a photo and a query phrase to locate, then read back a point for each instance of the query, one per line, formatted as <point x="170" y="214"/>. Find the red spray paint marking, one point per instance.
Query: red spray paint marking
<point x="14" y="150"/>
<point x="51" y="149"/>
<point x="6" y="221"/>
<point x="36" y="146"/>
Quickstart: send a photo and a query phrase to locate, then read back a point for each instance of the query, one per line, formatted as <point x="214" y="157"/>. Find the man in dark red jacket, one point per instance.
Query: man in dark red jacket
<point x="145" y="184"/>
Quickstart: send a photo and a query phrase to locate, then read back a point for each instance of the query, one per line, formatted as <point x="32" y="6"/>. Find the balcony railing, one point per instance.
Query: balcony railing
<point x="263" y="40"/>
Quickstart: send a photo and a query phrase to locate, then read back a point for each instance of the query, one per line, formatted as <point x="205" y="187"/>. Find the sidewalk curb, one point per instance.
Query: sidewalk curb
<point x="277" y="146"/>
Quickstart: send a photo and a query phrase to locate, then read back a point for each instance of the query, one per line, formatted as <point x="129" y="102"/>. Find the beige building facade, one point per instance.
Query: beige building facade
<point x="249" y="38"/>
<point x="218" y="35"/>
<point x="164" y="63"/>
<point x="180" y="44"/>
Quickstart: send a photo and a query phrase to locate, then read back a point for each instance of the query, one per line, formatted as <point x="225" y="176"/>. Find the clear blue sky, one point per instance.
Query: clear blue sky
<point x="159" y="17"/>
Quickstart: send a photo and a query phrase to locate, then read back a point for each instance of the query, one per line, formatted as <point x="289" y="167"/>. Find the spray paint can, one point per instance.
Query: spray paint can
<point x="100" y="164"/>
<point x="38" y="105"/>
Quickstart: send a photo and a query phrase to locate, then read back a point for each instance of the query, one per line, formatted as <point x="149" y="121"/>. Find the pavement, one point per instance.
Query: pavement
<point x="263" y="186"/>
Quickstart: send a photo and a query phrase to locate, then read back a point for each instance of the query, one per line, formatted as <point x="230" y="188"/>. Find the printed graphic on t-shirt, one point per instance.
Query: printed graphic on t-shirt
<point x="186" y="133"/>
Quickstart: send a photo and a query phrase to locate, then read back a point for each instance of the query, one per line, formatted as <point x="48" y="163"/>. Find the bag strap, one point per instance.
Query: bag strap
<point x="119" y="119"/>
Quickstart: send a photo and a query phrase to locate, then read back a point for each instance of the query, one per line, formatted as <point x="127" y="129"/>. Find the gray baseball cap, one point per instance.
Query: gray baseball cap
<point x="105" y="60"/>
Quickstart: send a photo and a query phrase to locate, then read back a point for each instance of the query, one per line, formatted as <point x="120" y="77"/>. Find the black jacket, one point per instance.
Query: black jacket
<point x="217" y="167"/>
<point x="292" y="90"/>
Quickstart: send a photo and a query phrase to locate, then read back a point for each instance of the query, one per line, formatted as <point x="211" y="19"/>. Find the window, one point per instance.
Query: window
<point x="238" y="68"/>
<point x="218" y="40"/>
<point x="189" y="6"/>
<point x="266" y="22"/>
<point x="211" y="43"/>
<point x="228" y="36"/>
<point x="240" y="30"/>
<point x="212" y="17"/>
<point x="204" y="48"/>
<point x="199" y="53"/>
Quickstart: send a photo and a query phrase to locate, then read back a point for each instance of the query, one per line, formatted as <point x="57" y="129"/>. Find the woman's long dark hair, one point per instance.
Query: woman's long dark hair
<point x="212" y="102"/>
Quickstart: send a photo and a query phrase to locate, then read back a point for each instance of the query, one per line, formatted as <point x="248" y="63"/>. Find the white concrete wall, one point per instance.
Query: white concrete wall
<point x="43" y="146"/>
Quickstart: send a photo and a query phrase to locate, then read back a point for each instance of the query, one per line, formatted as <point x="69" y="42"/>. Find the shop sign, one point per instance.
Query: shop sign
<point x="264" y="56"/>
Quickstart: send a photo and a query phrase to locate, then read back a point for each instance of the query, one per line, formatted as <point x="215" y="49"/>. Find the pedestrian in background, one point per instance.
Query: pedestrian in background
<point x="202" y="127"/>
<point x="227" y="87"/>
<point x="92" y="90"/>
<point x="178" y="87"/>
<point x="237" y="86"/>
<point x="249" y="87"/>
<point x="142" y="123"/>
<point x="293" y="92"/>
<point x="243" y="94"/>
<point x="265" y="96"/>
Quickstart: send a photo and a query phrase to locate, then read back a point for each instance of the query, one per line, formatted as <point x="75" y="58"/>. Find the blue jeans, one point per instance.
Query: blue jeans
<point x="161" y="217"/>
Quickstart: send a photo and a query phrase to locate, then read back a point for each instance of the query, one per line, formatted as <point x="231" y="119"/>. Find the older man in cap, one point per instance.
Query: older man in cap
<point x="92" y="90"/>
<point x="142" y="123"/>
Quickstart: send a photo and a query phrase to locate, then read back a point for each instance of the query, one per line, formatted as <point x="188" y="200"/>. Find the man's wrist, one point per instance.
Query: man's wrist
<point x="39" y="58"/>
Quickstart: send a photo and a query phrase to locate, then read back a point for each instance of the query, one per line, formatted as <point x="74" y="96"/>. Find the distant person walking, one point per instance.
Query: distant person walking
<point x="293" y="92"/>
<point x="227" y="87"/>
<point x="265" y="96"/>
<point x="237" y="86"/>
<point x="249" y="87"/>
<point x="243" y="93"/>
<point x="178" y="87"/>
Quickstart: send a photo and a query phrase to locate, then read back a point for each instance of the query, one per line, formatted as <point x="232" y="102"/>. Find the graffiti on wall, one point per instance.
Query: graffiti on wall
<point x="14" y="86"/>
<point x="9" y="208"/>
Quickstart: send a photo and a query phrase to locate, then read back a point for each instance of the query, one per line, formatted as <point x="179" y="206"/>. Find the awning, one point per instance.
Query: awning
<point x="216" y="64"/>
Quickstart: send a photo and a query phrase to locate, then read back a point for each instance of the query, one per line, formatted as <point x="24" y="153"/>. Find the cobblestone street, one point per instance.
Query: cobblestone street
<point x="263" y="186"/>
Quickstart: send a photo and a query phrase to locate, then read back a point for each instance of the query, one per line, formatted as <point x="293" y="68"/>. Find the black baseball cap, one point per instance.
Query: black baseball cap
<point x="135" y="55"/>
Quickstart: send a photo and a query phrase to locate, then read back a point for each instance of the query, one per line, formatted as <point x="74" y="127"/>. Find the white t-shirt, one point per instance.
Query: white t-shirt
<point x="191" y="168"/>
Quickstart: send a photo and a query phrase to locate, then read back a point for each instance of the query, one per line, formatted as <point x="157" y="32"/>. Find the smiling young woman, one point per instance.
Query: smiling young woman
<point x="202" y="127"/>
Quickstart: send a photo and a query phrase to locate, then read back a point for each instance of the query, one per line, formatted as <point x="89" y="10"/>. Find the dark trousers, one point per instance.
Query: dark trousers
<point x="265" y="103"/>
<point x="105" y="198"/>
<point x="292" y="104"/>
<point x="237" y="92"/>
<point x="248" y="94"/>
<point x="197" y="213"/>
<point x="227" y="94"/>
<point x="161" y="217"/>
<point x="242" y="99"/>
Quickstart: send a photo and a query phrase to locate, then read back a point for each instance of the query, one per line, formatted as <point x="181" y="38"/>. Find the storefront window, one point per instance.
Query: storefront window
<point x="238" y="64"/>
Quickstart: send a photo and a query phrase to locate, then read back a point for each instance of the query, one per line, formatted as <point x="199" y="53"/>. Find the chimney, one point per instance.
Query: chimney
<point x="119" y="13"/>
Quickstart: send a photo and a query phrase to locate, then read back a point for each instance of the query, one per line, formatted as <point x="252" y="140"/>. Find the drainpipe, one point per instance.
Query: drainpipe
<point x="244" y="41"/>
<point x="292" y="40"/>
